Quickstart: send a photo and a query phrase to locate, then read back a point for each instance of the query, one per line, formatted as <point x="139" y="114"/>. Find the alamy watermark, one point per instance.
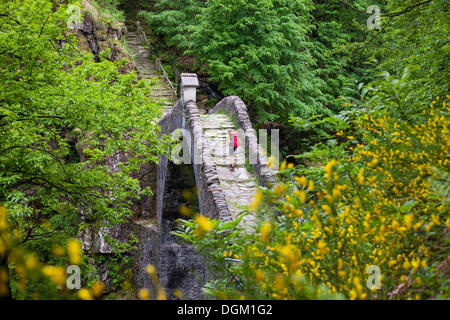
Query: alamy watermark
<point x="374" y="280"/>
<point x="374" y="21"/>
<point x="191" y="148"/>
<point x="74" y="20"/>
<point x="73" y="277"/>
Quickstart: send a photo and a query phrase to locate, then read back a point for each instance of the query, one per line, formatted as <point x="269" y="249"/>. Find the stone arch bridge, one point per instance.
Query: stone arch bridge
<point x="222" y="193"/>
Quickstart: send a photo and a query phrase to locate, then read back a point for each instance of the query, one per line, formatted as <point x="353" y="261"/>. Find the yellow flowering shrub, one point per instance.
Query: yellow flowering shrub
<point x="23" y="274"/>
<point x="373" y="225"/>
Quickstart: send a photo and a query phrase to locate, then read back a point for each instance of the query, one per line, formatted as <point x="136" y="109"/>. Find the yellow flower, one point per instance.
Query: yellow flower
<point x="177" y="293"/>
<point x="184" y="210"/>
<point x="259" y="275"/>
<point x="3" y="282"/>
<point x="256" y="200"/>
<point x="280" y="283"/>
<point x="74" y="251"/>
<point x="204" y="224"/>
<point x="31" y="262"/>
<point x="301" y="180"/>
<point x="283" y="165"/>
<point x="336" y="193"/>
<point x="150" y="269"/>
<point x="97" y="289"/>
<point x="187" y="194"/>
<point x="85" y="294"/>
<point x="56" y="274"/>
<point x="301" y="195"/>
<point x="409" y="220"/>
<point x="271" y="162"/>
<point x="299" y="213"/>
<point x="330" y="165"/>
<point x="322" y="246"/>
<point x="418" y="225"/>
<point x="3" y="218"/>
<point x="435" y="219"/>
<point x="58" y="251"/>
<point x="415" y="264"/>
<point x="340" y="263"/>
<point x="3" y="275"/>
<point x="406" y="265"/>
<point x="161" y="294"/>
<point x="288" y="253"/>
<point x="327" y="209"/>
<point x="311" y="185"/>
<point x="279" y="189"/>
<point x="361" y="176"/>
<point x="265" y="229"/>
<point x="144" y="294"/>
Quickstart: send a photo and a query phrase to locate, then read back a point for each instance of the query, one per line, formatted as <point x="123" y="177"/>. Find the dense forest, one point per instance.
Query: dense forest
<point x="358" y="90"/>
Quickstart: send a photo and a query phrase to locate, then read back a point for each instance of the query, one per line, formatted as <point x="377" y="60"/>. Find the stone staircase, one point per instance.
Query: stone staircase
<point x="161" y="92"/>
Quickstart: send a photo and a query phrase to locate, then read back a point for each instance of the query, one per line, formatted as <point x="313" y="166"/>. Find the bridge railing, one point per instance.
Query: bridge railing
<point x="143" y="38"/>
<point x="159" y="67"/>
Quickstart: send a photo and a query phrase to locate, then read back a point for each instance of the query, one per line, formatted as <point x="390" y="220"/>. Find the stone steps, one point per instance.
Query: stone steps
<point x="161" y="92"/>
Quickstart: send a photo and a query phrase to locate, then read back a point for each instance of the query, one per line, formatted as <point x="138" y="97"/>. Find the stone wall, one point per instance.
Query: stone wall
<point x="234" y="106"/>
<point x="171" y="121"/>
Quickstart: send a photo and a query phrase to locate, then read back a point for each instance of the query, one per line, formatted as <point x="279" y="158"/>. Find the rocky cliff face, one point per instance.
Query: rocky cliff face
<point x="99" y="32"/>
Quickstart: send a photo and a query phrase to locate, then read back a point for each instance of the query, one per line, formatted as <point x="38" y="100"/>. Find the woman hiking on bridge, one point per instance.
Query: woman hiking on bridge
<point x="234" y="143"/>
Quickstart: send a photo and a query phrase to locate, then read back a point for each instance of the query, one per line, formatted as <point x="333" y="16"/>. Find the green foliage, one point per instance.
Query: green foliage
<point x="259" y="50"/>
<point x="285" y="59"/>
<point x="232" y="275"/>
<point x="110" y="8"/>
<point x="172" y="19"/>
<point x="413" y="52"/>
<point x="118" y="269"/>
<point x="355" y="95"/>
<point x="340" y="27"/>
<point x="414" y="49"/>
<point x="65" y="122"/>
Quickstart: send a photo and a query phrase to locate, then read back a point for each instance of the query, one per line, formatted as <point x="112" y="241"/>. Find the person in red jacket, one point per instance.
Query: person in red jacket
<point x="234" y="143"/>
